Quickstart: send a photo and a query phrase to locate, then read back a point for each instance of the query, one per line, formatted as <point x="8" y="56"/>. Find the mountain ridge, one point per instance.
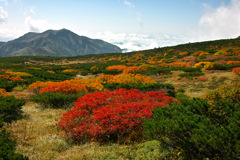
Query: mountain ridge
<point x="55" y="43"/>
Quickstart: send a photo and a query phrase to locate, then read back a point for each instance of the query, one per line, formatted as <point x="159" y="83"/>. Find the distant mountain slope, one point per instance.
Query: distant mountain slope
<point x="55" y="43"/>
<point x="1" y="43"/>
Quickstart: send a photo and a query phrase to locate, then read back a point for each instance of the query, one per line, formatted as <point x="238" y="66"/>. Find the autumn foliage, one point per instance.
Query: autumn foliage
<point x="236" y="71"/>
<point x="11" y="78"/>
<point x="92" y="85"/>
<point x="117" y="67"/>
<point x="125" y="78"/>
<point x="105" y="116"/>
<point x="133" y="69"/>
<point x="64" y="87"/>
<point x="125" y="69"/>
<point x="36" y="86"/>
<point x="233" y="62"/>
<point x="3" y="93"/>
<point x="224" y="93"/>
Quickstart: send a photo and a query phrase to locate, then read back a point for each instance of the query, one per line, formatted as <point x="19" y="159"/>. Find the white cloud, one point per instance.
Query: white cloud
<point x="129" y="4"/>
<point x="38" y="25"/>
<point x="221" y="22"/>
<point x="8" y="32"/>
<point x="3" y="15"/>
<point x="133" y="41"/>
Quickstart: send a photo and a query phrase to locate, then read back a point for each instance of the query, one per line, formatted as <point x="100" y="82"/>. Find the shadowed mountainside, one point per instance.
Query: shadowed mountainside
<point x="55" y="43"/>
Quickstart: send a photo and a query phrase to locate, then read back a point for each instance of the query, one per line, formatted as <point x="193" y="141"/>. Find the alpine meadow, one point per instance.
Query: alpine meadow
<point x="121" y="80"/>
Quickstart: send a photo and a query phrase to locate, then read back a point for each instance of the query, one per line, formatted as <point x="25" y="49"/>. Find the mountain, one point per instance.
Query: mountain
<point x="55" y="43"/>
<point x="1" y="43"/>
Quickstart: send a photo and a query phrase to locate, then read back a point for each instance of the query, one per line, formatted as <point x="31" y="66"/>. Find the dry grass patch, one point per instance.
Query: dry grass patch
<point x="37" y="132"/>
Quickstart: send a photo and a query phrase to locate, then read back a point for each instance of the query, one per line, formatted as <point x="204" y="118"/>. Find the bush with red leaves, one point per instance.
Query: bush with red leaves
<point x="112" y="115"/>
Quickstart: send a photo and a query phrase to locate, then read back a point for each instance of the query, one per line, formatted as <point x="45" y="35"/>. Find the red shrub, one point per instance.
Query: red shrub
<point x="111" y="115"/>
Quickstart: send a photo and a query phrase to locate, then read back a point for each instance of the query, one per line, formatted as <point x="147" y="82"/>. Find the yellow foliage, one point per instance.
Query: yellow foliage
<point x="94" y="68"/>
<point x="201" y="64"/>
<point x="125" y="78"/>
<point x="19" y="74"/>
<point x="91" y="84"/>
<point x="69" y="70"/>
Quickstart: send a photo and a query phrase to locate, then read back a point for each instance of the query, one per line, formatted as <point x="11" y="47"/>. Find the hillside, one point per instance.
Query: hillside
<point x="55" y="43"/>
<point x="191" y="73"/>
<point x="1" y="43"/>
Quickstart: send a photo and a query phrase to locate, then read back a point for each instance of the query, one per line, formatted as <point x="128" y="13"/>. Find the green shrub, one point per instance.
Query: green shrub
<point x="7" y="147"/>
<point x="142" y="87"/>
<point x="195" y="131"/>
<point x="225" y="92"/>
<point x="7" y="85"/>
<point x="215" y="66"/>
<point x="55" y="100"/>
<point x="10" y="108"/>
<point x="190" y="75"/>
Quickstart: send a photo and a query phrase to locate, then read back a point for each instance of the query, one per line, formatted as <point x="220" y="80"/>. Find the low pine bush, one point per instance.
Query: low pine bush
<point x="55" y="100"/>
<point x="10" y="108"/>
<point x="8" y="146"/>
<point x="195" y="130"/>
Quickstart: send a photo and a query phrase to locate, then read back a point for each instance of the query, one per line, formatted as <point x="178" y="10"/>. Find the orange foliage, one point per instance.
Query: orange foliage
<point x="51" y="72"/>
<point x="69" y="70"/>
<point x="3" y="93"/>
<point x="11" y="78"/>
<point x="133" y="69"/>
<point x="179" y="64"/>
<point x="228" y="54"/>
<point x="64" y="87"/>
<point x="152" y="62"/>
<point x="236" y="71"/>
<point x="183" y="53"/>
<point x="233" y="62"/>
<point x="200" y="53"/>
<point x="36" y="86"/>
<point x="117" y="67"/>
<point x="92" y="85"/>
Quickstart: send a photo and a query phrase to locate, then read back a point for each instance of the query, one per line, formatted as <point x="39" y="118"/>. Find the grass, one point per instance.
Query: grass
<point x="196" y="88"/>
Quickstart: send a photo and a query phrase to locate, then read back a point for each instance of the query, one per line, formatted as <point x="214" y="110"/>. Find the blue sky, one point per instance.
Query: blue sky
<point x="131" y="24"/>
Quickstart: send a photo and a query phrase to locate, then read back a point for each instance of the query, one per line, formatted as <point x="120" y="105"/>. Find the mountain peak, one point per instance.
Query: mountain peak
<point x="61" y="42"/>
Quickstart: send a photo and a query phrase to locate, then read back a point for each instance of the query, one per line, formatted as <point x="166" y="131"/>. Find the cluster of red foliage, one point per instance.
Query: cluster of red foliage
<point x="64" y="87"/>
<point x="105" y="116"/>
<point x="236" y="71"/>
